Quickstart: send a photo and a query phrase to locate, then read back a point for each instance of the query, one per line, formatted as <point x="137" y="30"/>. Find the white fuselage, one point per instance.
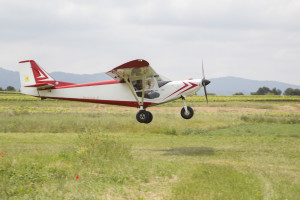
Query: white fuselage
<point x="111" y="92"/>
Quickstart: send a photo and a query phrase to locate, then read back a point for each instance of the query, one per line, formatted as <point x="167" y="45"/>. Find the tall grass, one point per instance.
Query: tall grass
<point x="92" y="162"/>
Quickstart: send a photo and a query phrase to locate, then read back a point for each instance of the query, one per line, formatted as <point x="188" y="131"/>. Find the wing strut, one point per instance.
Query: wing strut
<point x="129" y="84"/>
<point x="131" y="89"/>
<point x="144" y="85"/>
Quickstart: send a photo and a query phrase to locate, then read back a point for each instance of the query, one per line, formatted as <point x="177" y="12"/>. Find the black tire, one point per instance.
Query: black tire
<point x="142" y="116"/>
<point x="188" y="115"/>
<point x="150" y="117"/>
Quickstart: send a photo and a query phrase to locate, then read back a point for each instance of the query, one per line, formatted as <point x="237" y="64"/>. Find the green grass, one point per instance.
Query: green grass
<point x="197" y="184"/>
<point x="218" y="154"/>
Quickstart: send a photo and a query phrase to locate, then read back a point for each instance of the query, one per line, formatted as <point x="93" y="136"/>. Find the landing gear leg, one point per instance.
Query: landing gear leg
<point x="142" y="116"/>
<point x="186" y="112"/>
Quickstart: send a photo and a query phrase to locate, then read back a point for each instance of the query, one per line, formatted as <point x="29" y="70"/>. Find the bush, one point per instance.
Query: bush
<point x="238" y="93"/>
<point x="10" y="88"/>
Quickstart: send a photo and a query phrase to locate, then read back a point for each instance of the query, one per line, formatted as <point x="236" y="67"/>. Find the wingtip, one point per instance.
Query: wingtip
<point x="24" y="61"/>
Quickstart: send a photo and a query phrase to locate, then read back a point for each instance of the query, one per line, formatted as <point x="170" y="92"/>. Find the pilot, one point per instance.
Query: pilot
<point x="149" y="94"/>
<point x="148" y="87"/>
<point x="138" y="85"/>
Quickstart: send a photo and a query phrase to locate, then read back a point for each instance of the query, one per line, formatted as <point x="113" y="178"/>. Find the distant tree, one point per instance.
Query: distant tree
<point x="238" y="93"/>
<point x="261" y="91"/>
<point x="288" y="91"/>
<point x="276" y="91"/>
<point x="292" y="92"/>
<point x="10" y="88"/>
<point x="1" y="89"/>
<point x="266" y="90"/>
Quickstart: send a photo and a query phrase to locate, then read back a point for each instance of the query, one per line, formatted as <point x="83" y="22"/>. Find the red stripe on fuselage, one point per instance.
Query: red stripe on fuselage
<point x="112" y="102"/>
<point x="193" y="85"/>
<point x="185" y="85"/>
<point x="89" y="84"/>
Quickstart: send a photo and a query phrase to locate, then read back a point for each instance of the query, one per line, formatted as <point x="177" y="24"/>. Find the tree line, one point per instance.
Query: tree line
<point x="274" y="91"/>
<point x="266" y="90"/>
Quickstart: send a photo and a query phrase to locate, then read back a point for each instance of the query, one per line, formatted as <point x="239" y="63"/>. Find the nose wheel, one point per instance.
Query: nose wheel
<point x="144" y="116"/>
<point x="186" y="112"/>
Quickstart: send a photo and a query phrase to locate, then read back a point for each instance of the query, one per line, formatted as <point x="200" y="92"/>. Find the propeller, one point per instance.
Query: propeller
<point x="204" y="82"/>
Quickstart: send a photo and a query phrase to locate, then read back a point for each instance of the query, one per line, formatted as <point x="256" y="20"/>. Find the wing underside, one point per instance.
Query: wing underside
<point x="134" y="70"/>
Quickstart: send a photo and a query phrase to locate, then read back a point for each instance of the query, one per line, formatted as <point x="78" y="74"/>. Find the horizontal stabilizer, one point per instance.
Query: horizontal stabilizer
<point x="41" y="86"/>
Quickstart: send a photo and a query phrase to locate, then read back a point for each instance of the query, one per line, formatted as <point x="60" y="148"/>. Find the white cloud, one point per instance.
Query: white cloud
<point x="250" y="39"/>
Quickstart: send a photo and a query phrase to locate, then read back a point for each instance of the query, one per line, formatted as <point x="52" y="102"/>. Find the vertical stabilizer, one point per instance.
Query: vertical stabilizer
<point x="32" y="75"/>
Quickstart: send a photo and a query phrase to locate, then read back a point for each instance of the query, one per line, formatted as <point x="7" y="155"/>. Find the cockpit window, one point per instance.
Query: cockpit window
<point x="137" y="85"/>
<point x="150" y="88"/>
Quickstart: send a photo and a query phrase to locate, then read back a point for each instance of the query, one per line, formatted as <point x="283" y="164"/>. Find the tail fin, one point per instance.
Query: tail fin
<point x="33" y="73"/>
<point x="33" y="77"/>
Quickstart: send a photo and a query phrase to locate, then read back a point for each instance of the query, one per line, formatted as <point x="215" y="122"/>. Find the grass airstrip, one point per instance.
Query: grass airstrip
<point x="236" y="147"/>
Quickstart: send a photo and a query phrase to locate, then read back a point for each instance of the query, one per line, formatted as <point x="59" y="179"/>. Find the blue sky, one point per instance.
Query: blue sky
<point x="250" y="39"/>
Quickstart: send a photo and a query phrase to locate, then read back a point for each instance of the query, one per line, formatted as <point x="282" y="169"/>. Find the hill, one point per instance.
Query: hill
<point x="220" y="86"/>
<point x="230" y="85"/>
<point x="9" y="78"/>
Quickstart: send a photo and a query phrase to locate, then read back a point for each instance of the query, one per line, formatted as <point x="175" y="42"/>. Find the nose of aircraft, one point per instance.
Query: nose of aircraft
<point x="205" y="82"/>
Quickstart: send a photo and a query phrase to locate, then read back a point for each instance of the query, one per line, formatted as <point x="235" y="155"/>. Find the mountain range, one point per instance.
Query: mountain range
<point x="220" y="86"/>
<point x="230" y="85"/>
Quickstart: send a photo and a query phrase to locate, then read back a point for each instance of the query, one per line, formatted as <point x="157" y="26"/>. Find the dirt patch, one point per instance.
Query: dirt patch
<point x="206" y="109"/>
<point x="212" y="109"/>
<point x="284" y="108"/>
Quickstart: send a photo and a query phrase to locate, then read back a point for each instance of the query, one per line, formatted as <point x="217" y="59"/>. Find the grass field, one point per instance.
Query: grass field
<point x="237" y="147"/>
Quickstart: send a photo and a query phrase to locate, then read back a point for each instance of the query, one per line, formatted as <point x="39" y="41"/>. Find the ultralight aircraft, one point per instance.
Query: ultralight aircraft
<point x="134" y="84"/>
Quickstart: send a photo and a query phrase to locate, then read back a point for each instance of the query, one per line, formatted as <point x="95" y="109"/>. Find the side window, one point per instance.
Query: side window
<point x="149" y="84"/>
<point x="137" y="85"/>
<point x="150" y="88"/>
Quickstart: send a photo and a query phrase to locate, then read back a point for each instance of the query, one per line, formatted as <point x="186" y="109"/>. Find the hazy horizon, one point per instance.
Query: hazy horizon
<point x="211" y="78"/>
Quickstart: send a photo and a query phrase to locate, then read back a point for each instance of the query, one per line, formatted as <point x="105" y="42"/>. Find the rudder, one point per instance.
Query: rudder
<point x="30" y="75"/>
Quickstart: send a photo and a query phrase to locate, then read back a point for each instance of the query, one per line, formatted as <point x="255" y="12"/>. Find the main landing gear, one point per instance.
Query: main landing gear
<point x="144" y="116"/>
<point x="186" y="112"/>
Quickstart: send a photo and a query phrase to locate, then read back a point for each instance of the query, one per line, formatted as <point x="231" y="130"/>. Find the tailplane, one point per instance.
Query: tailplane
<point x="34" y="78"/>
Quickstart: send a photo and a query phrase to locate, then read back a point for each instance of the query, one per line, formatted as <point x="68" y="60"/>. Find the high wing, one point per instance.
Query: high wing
<point x="134" y="70"/>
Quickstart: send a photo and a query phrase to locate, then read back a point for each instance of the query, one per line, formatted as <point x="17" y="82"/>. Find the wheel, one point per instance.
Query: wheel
<point x="150" y="117"/>
<point x="142" y="116"/>
<point x="187" y="115"/>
